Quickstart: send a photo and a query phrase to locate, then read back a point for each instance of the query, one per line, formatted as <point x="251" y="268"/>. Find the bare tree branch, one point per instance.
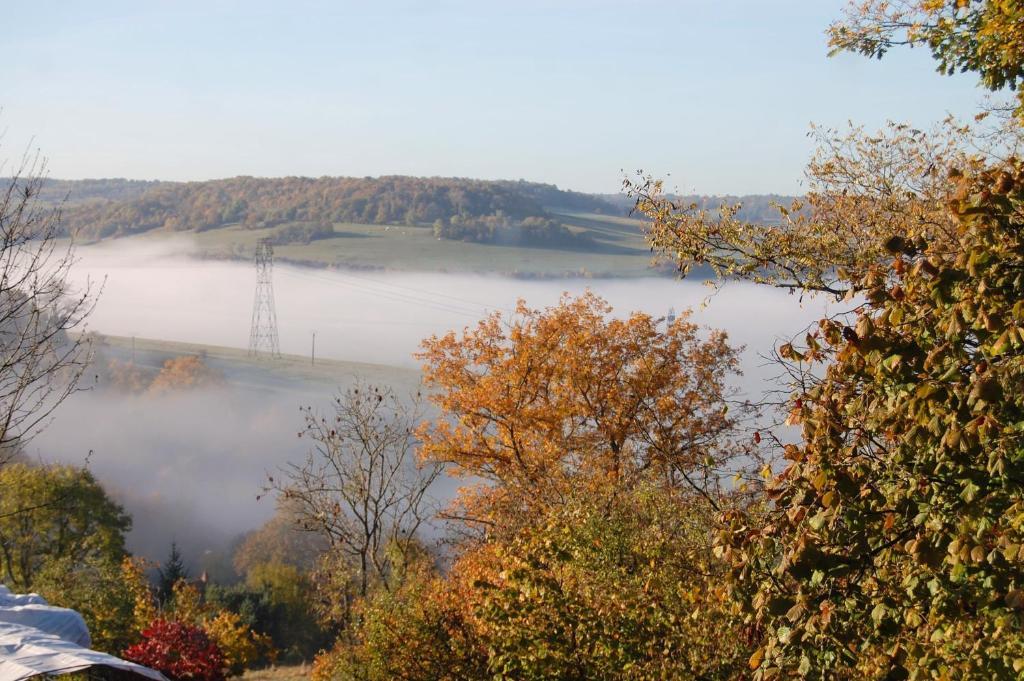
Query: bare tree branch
<point x="361" y="486"/>
<point x="41" y="359"/>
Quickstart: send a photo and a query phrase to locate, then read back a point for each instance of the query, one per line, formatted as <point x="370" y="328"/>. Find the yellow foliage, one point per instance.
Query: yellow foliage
<point x="985" y="37"/>
<point x="570" y="396"/>
<point x="184" y="373"/>
<point x="862" y="189"/>
<point x="326" y="665"/>
<point x="417" y="631"/>
<point x="111" y="595"/>
<point x="133" y="571"/>
<point x="187" y="604"/>
<point x="240" y="645"/>
<point x="126" y="376"/>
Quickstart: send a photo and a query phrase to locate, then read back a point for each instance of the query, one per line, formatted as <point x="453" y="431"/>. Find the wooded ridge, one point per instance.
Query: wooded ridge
<point x="456" y="208"/>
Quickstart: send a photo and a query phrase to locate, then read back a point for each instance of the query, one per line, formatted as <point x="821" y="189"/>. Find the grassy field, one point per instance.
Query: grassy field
<point x="296" y="673"/>
<point x="618" y="249"/>
<point x="239" y="368"/>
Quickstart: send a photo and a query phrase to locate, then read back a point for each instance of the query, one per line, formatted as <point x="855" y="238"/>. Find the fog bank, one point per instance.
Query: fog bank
<point x="154" y="289"/>
<point x="189" y="466"/>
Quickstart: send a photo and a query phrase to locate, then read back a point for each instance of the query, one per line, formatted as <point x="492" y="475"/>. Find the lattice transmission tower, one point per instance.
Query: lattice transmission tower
<point x="263" y="335"/>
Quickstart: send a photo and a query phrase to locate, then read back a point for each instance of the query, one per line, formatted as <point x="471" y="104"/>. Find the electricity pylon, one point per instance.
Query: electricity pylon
<point x="263" y="335"/>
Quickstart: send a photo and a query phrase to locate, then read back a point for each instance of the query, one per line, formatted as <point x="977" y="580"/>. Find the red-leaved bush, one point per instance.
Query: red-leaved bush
<point x="178" y="650"/>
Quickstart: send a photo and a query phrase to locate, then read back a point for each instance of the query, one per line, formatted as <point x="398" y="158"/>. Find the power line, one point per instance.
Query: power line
<point x="433" y="293"/>
<point x="380" y="289"/>
<point x="462" y="307"/>
<point x="263" y="340"/>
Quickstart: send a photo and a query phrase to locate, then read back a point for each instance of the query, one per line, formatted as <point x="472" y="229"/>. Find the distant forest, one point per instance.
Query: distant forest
<point x="455" y="208"/>
<point x="77" y="192"/>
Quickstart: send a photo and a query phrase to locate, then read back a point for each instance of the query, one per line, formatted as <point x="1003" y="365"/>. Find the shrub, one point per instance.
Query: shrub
<point x="241" y="647"/>
<point x="180" y="651"/>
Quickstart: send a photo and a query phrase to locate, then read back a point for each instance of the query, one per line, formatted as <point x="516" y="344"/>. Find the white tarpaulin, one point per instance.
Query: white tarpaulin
<point x="36" y="638"/>
<point x="26" y="652"/>
<point x="8" y="598"/>
<point x="31" y="610"/>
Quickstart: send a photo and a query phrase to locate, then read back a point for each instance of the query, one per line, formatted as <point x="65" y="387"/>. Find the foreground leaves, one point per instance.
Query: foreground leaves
<point x="896" y="547"/>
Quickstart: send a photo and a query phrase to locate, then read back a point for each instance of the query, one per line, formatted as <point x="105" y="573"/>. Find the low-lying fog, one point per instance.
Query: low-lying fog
<point x="189" y="466"/>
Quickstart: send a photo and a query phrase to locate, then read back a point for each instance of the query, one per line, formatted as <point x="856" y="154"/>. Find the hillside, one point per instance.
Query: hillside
<point x="518" y="228"/>
<point x="107" y="190"/>
<point x="461" y="209"/>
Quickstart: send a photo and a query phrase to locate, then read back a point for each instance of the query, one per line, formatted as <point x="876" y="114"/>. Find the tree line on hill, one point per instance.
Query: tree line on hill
<point x="460" y="209"/>
<point x="306" y="209"/>
<point x="76" y="192"/>
<point x="500" y="229"/>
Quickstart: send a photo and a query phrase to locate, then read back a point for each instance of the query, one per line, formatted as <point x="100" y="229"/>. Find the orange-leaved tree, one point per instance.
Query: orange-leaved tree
<point x="569" y="396"/>
<point x="601" y="446"/>
<point x="184" y="373"/>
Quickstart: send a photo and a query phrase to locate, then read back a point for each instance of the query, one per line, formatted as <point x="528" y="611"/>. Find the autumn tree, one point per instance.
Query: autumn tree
<point x="127" y="377"/>
<point x="569" y="396"/>
<point x="603" y="443"/>
<point x="179" y="651"/>
<point x="281" y="540"/>
<point x="240" y="647"/>
<point x="609" y="586"/>
<point x="55" y="513"/>
<point x="361" y="487"/>
<point x="896" y="548"/>
<point x="982" y="36"/>
<point x="420" y="630"/>
<point x="185" y="373"/>
<point x="891" y="549"/>
<point x="862" y="188"/>
<point x="287" y="592"/>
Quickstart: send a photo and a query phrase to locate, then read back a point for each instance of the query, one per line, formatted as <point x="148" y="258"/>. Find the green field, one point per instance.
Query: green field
<point x="618" y="249"/>
<point x="296" y="673"/>
<point x="241" y="369"/>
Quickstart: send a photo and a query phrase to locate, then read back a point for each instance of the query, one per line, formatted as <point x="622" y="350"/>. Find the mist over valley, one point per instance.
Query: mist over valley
<point x="189" y="465"/>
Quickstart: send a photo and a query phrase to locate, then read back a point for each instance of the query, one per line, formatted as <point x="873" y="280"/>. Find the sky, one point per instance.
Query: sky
<point x="716" y="95"/>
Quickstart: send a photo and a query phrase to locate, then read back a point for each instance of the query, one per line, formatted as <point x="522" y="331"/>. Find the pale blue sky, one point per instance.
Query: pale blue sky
<point x="719" y="93"/>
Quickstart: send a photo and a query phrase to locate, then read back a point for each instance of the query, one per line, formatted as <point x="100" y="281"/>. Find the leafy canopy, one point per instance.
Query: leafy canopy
<point x="982" y="36"/>
<point x="619" y="586"/>
<point x="54" y="513"/>
<point x="601" y="442"/>
<point x="896" y="546"/>
<point x="862" y="189"/>
<point x="569" y="396"/>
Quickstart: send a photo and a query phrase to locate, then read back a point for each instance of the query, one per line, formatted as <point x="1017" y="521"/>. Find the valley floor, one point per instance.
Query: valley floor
<point x="295" y="673"/>
<point x="242" y="370"/>
<point x="617" y="249"/>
